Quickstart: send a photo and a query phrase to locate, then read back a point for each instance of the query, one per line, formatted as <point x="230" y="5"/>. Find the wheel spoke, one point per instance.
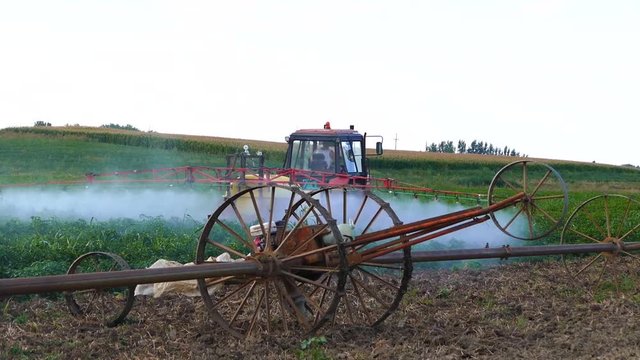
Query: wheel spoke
<point x="527" y="211"/>
<point x="595" y="223"/>
<point x="542" y="181"/>
<point x="630" y="254"/>
<point x="360" y="209"/>
<point x="226" y="248"/>
<point x="242" y="223"/>
<point x="630" y="232"/>
<point x="513" y="218"/>
<point x="601" y="274"/>
<point x="546" y="214"/>
<point x="524" y="177"/>
<point x="295" y="227"/>
<point x="607" y="216"/>
<point x="243" y="302"/>
<point x="383" y="281"/>
<point x="255" y="313"/>
<point x="514" y="188"/>
<point x="305" y="280"/>
<point x="267" y="234"/>
<point x="358" y="295"/>
<point x="282" y="306"/>
<point x="548" y="197"/>
<point x="311" y="237"/>
<point x="311" y="252"/>
<point x="371" y="293"/>
<point x="584" y="235"/>
<point x="373" y="219"/>
<point x="588" y="265"/>
<point x="624" y="218"/>
<point x="229" y="230"/>
<point x="231" y="294"/>
<point x="267" y="305"/>
<point x="258" y="214"/>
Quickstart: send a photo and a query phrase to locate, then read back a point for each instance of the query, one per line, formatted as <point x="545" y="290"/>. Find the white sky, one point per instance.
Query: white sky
<point x="553" y="79"/>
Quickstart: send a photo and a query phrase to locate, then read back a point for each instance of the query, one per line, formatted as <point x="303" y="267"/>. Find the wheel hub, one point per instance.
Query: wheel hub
<point x="619" y="245"/>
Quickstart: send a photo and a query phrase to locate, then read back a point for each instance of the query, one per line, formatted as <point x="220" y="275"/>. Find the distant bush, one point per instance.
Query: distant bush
<point x="41" y="123"/>
<point x="120" y="127"/>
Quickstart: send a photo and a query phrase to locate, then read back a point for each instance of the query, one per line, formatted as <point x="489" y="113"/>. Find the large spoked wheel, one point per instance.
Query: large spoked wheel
<point x="295" y="248"/>
<point x="604" y="219"/>
<point x="373" y="290"/>
<point x="108" y="306"/>
<point x="542" y="199"/>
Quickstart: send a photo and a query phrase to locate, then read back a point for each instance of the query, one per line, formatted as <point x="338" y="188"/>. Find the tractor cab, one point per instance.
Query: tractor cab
<point x="337" y="155"/>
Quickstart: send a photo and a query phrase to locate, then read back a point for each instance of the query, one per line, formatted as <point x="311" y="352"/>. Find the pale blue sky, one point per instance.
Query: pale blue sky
<point x="553" y="79"/>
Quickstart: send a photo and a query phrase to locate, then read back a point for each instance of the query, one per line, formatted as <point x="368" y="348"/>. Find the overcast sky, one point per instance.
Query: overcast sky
<point x="552" y="79"/>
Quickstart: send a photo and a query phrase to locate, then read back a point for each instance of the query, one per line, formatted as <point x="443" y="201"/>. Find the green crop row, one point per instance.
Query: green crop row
<point x="215" y="146"/>
<point x="48" y="246"/>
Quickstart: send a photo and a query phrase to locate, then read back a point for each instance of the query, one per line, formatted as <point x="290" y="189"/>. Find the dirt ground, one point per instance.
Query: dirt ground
<point x="510" y="311"/>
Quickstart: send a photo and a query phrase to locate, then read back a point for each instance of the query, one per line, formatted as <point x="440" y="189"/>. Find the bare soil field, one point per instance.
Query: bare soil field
<point x="510" y="311"/>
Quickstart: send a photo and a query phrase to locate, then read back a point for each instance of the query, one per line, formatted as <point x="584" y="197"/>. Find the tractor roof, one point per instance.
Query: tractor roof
<point x="325" y="132"/>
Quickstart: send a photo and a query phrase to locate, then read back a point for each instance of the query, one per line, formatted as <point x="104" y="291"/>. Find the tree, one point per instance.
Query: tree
<point x="120" y="127"/>
<point x="476" y="147"/>
<point x="462" y="147"/>
<point x="473" y="148"/>
<point x="41" y="123"/>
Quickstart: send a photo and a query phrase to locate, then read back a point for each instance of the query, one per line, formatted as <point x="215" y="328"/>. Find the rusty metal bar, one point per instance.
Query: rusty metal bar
<point x="438" y="222"/>
<point x="111" y="279"/>
<point x="506" y="252"/>
<point x="96" y="280"/>
<point x="389" y="247"/>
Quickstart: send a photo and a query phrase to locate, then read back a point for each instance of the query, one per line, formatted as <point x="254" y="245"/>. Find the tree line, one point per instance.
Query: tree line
<point x="475" y="147"/>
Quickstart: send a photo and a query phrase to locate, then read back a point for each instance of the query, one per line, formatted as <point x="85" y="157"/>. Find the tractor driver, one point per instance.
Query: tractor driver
<point x="326" y="149"/>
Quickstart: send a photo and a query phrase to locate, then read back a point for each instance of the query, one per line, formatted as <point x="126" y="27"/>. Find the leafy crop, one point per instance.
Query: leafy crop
<point x="48" y="246"/>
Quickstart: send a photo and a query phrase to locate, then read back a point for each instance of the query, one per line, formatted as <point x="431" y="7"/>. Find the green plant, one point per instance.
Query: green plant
<point x="311" y="348"/>
<point x="443" y="293"/>
<point x="21" y="319"/>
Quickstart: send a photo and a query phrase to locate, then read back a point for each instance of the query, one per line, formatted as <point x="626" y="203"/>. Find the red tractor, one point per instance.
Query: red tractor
<point x="334" y="156"/>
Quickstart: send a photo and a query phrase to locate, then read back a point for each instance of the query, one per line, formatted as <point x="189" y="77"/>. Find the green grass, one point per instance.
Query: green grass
<point x="48" y="246"/>
<point x="41" y="159"/>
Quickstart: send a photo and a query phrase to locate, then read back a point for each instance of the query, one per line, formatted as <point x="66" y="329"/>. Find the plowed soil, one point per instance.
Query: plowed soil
<point x="519" y="310"/>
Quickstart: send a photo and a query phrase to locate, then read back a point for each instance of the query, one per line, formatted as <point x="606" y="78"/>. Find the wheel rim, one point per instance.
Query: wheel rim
<point x="372" y="291"/>
<point x="109" y="306"/>
<point x="607" y="218"/>
<point x="543" y="206"/>
<point x="290" y="296"/>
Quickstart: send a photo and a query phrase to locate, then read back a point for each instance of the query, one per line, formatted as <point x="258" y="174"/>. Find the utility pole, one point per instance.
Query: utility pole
<point x="396" y="142"/>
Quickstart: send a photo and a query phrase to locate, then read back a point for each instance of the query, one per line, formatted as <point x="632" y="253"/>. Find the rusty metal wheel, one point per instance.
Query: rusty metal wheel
<point x="373" y="290"/>
<point x="604" y="219"/>
<point x="543" y="205"/>
<point x="260" y="224"/>
<point x="107" y="305"/>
